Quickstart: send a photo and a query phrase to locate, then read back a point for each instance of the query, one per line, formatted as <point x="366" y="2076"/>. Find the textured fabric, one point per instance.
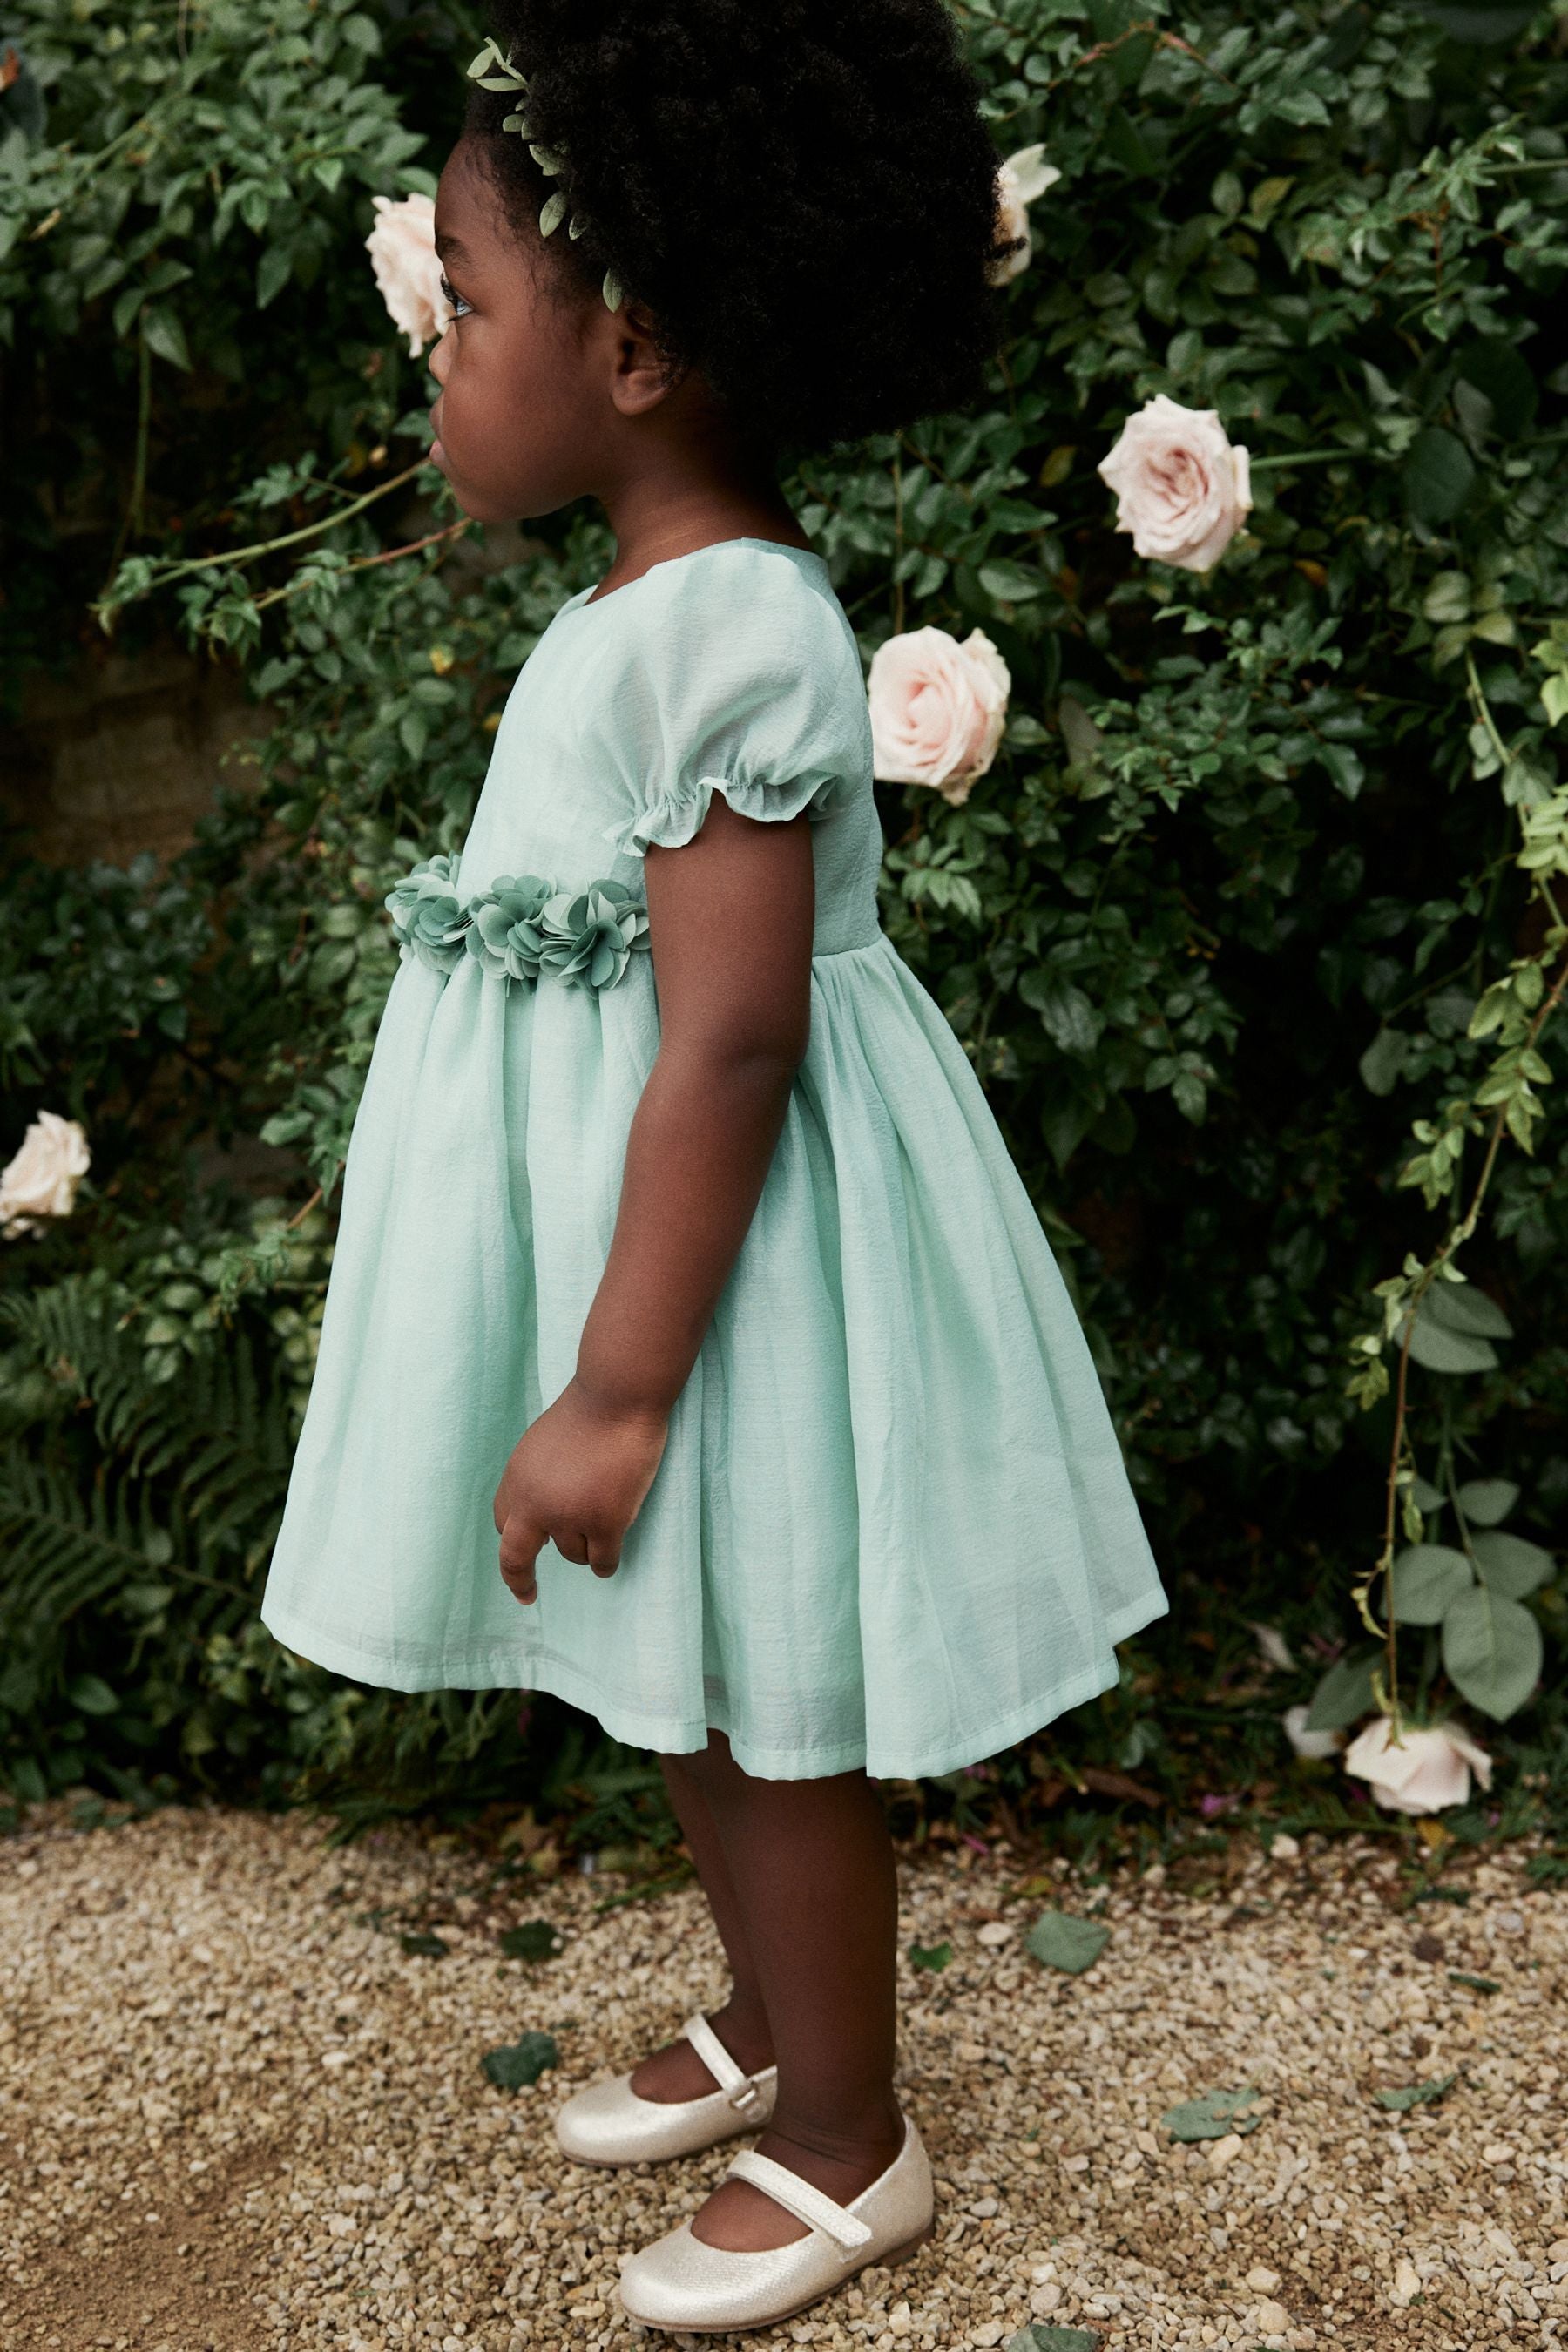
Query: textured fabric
<point x="891" y="1526"/>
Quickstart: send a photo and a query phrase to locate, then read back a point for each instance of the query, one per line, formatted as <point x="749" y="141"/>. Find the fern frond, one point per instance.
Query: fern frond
<point x="62" y="1545"/>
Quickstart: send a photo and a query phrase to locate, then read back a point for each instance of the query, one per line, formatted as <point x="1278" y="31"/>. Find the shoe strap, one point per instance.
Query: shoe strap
<point x="799" y="2198"/>
<point x="739" y="2087"/>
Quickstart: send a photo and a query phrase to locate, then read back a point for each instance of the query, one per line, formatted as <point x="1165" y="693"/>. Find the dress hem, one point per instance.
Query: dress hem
<point x="503" y="1669"/>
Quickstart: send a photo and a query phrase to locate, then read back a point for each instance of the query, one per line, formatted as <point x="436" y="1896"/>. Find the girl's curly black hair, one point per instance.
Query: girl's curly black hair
<point x="801" y="192"/>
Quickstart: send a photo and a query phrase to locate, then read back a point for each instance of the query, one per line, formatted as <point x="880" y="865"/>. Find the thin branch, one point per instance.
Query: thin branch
<point x="367" y="562"/>
<point x="236" y="555"/>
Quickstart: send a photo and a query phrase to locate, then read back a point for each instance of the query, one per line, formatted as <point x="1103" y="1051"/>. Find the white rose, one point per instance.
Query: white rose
<point x="402" y="248"/>
<point x="41" y="1181"/>
<point x="1430" y="1769"/>
<point x="938" y="709"/>
<point x="1308" y="1745"/>
<point x="1182" y="488"/>
<point x="1022" y="178"/>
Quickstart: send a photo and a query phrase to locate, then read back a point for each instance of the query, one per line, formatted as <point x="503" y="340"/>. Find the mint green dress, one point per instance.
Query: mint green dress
<point x="891" y="1526"/>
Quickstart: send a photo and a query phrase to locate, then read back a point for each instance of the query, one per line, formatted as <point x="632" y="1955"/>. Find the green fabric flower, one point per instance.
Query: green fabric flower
<point x="590" y="934"/>
<point x="520" y="926"/>
<point x="505" y="937"/>
<point x="430" y="923"/>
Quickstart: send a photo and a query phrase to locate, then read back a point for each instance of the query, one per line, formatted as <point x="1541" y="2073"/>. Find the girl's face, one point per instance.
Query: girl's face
<point x="538" y="379"/>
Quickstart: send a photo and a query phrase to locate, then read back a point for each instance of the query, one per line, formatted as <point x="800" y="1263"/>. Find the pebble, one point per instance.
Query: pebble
<point x="236" y="2115"/>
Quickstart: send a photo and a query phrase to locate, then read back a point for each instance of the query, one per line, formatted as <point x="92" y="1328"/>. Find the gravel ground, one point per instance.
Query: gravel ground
<point x="236" y="2115"/>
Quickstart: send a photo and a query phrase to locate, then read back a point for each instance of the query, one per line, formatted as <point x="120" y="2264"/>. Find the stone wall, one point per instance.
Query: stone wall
<point x="122" y="754"/>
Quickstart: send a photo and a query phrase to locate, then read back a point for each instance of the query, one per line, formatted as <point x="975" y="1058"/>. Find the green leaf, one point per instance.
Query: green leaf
<point x="126" y="307"/>
<point x="934" y="1957"/>
<point x="1064" y="1124"/>
<point x="165" y="336"/>
<point x="1438" y="476"/>
<point x="1040" y="2336"/>
<point x="145" y="1600"/>
<point x="1415" y="2095"/>
<point x="1485" y="1501"/>
<point x="516" y="2063"/>
<point x="1214" y="2114"/>
<point x="1425" y="1580"/>
<point x="1383" y="1060"/>
<point x="1449" y="598"/>
<point x="1061" y="1940"/>
<point x="272" y="273"/>
<point x="1343" y="766"/>
<point x="1491" y="1651"/>
<point x="553" y="212"/>
<point x="1449" y="1351"/>
<point x="536" y="1939"/>
<point x="1125" y="143"/>
<point x="1071" y="1020"/>
<point x="1454" y="1326"/>
<point x="91" y="1696"/>
<point x="1510" y="1565"/>
<point x="422" y="1945"/>
<point x="1012" y="584"/>
<point x="1477" y="1984"/>
<point x="1460" y="1306"/>
<point x="1344" y="1693"/>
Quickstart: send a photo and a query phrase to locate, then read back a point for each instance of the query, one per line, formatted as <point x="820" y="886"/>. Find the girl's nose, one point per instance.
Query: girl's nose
<point x="440" y="361"/>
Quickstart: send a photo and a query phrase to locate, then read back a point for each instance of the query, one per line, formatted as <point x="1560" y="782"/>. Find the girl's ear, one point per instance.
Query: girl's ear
<point x="640" y="378"/>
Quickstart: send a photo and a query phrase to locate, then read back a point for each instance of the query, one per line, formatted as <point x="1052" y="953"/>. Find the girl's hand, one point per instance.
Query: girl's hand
<point x="577" y="1478"/>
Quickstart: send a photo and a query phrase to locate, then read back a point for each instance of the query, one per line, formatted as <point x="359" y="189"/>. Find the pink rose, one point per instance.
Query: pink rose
<point x="1429" y="1770"/>
<point x="1022" y="178"/>
<point x="1181" y="487"/>
<point x="41" y="1181"/>
<point x="938" y="709"/>
<point x="402" y="248"/>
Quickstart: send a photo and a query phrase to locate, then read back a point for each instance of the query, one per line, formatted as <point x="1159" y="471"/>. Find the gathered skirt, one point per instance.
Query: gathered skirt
<point x="891" y="1526"/>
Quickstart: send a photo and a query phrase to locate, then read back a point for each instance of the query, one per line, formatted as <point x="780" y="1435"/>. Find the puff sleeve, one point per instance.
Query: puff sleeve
<point x="742" y="679"/>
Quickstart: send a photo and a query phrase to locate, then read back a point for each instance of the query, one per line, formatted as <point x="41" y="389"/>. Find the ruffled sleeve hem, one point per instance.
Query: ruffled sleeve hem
<point x="675" y="816"/>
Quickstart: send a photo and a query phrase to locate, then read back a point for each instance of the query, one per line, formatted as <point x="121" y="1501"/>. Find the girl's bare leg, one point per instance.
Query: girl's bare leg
<point x="676" y="2071"/>
<point x="811" y="1909"/>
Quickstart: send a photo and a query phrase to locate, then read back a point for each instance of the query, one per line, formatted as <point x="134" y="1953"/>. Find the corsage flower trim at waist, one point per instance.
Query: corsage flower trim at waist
<point x="521" y="928"/>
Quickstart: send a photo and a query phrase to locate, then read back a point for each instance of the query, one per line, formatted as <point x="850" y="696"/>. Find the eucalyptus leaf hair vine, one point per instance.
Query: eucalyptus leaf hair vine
<point x="492" y="71"/>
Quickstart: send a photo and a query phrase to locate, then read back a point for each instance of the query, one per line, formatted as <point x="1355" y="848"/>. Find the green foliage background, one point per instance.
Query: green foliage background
<point x="1214" y="928"/>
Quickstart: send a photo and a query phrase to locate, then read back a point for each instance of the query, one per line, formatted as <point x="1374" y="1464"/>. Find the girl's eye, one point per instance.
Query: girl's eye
<point x="455" y="300"/>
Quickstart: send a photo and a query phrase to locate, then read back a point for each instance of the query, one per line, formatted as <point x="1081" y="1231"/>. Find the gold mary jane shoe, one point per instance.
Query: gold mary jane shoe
<point x="609" y="2123"/>
<point x="682" y="2283"/>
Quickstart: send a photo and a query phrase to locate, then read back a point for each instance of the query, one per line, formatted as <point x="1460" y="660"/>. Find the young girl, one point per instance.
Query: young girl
<point x="673" y="1203"/>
